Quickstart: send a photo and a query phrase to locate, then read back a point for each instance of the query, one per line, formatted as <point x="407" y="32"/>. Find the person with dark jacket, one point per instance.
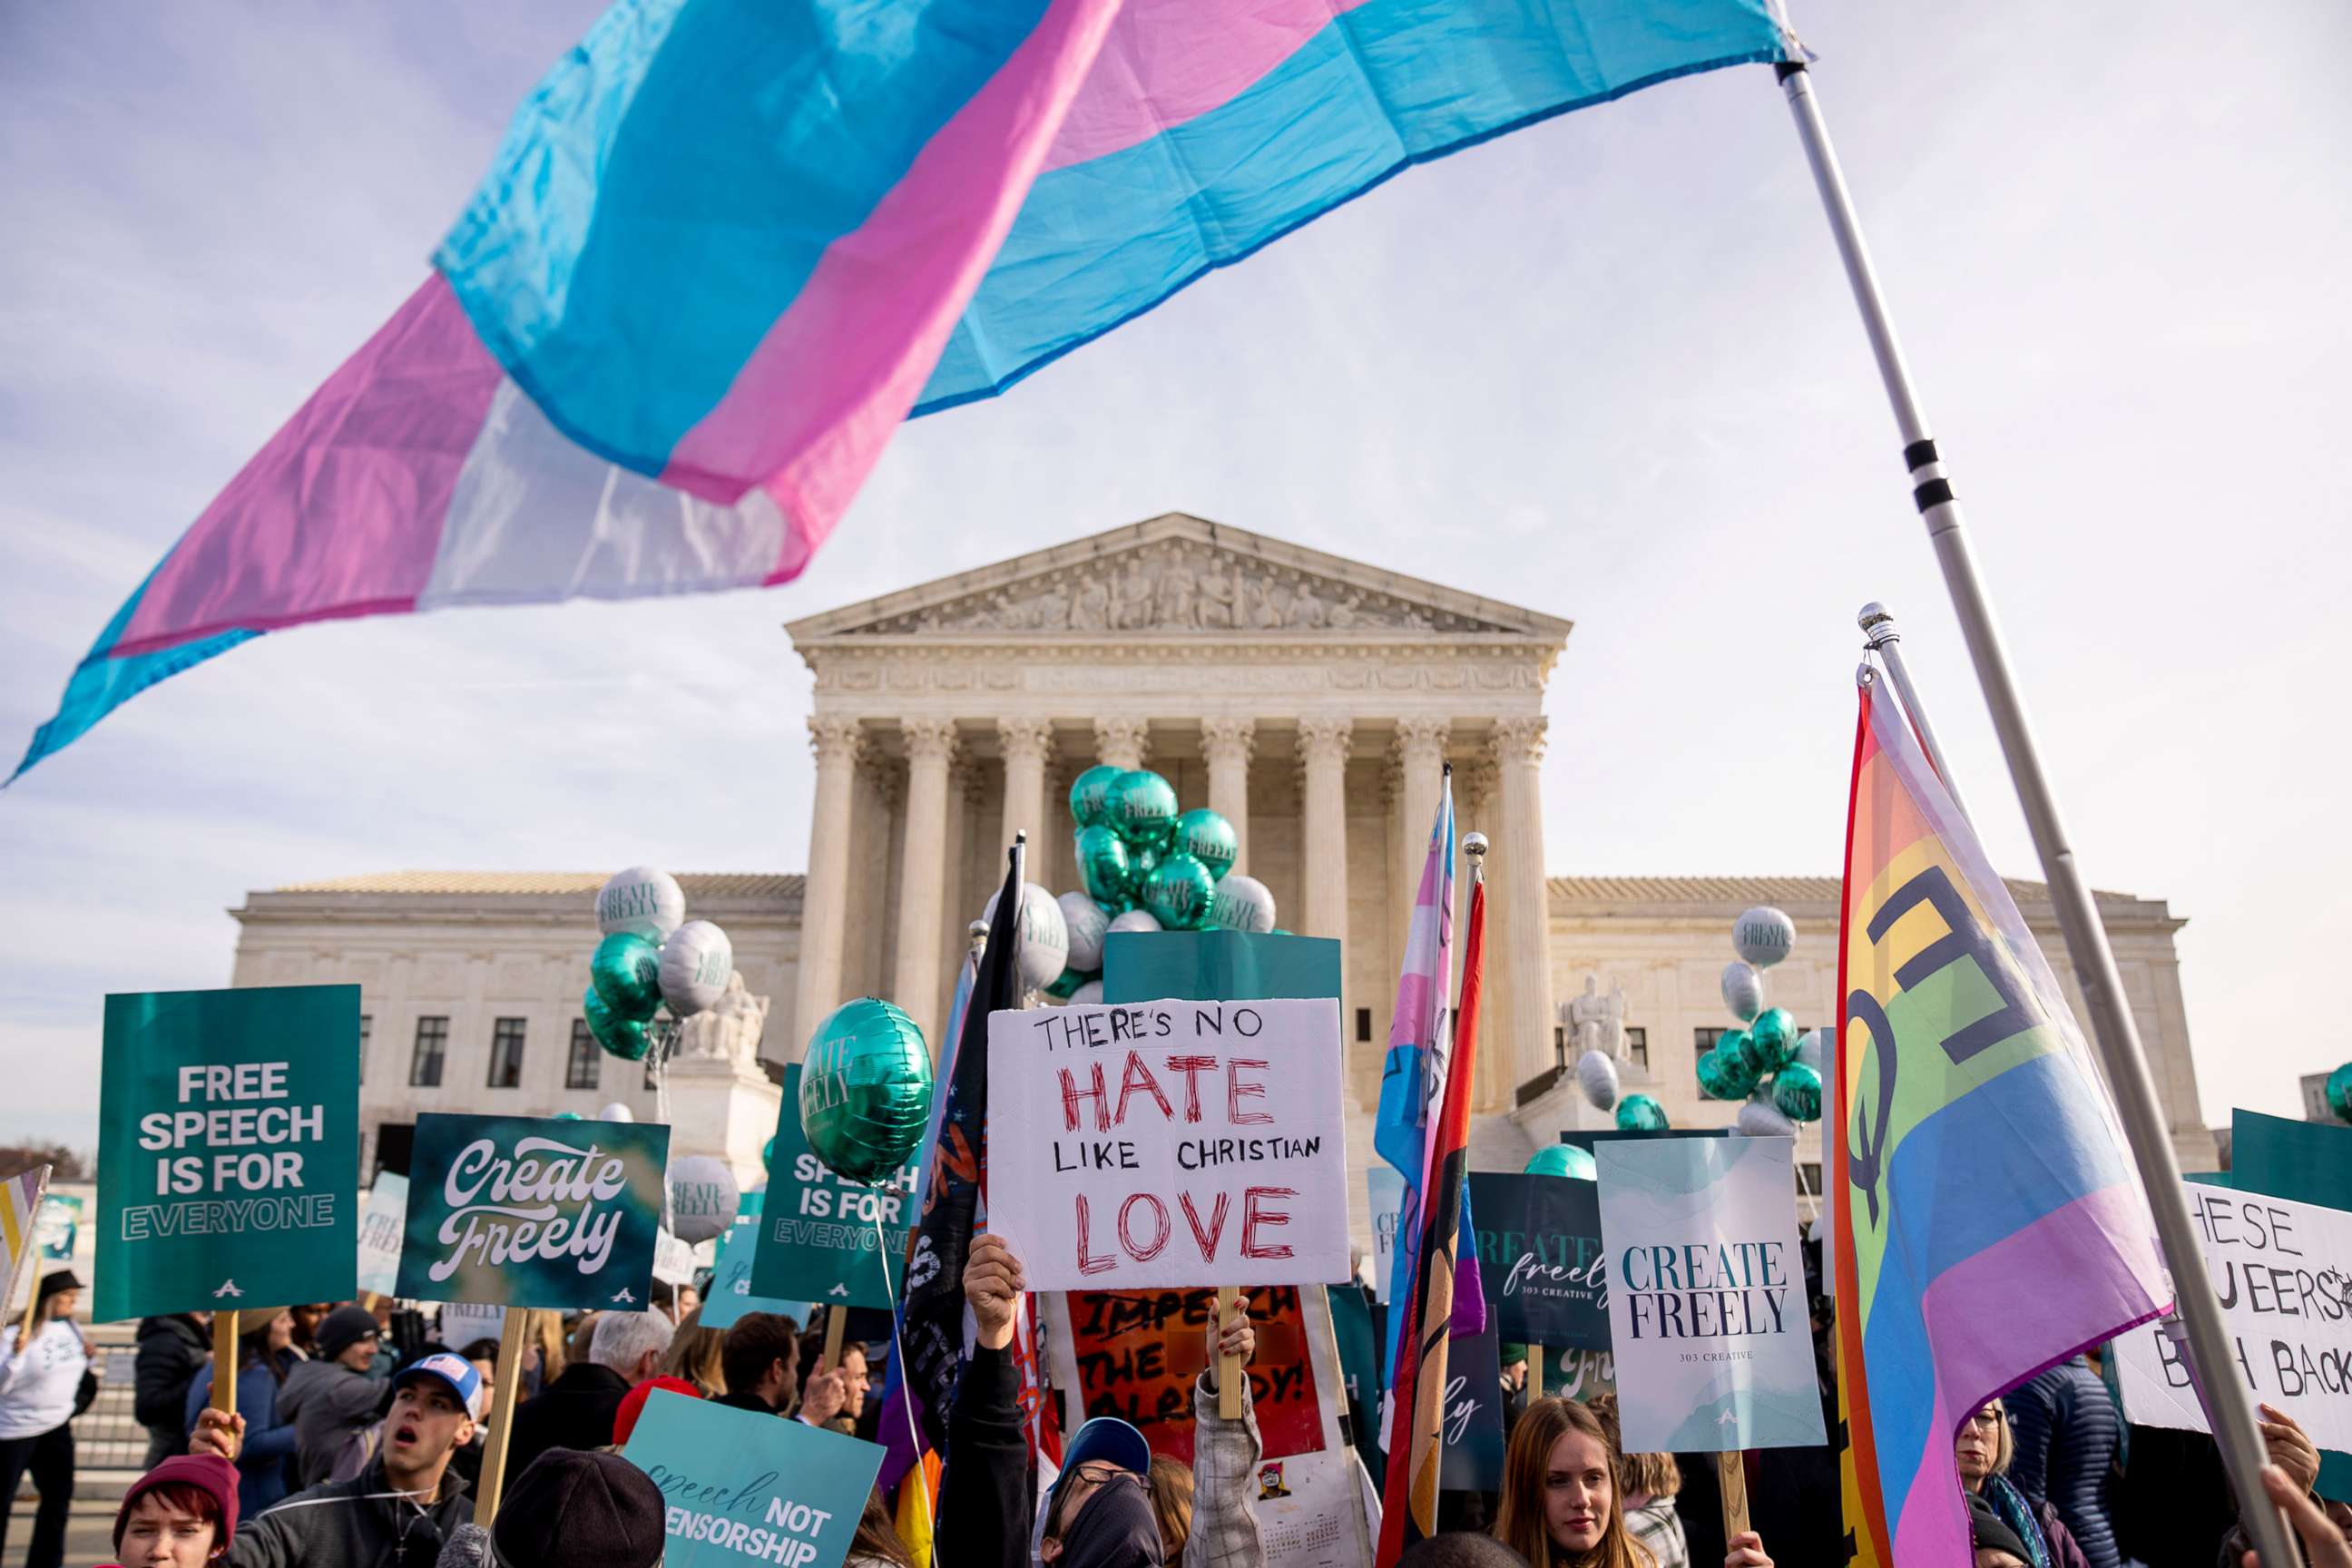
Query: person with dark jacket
<point x="2067" y="1434"/>
<point x="576" y="1410"/>
<point x="169" y="1350"/>
<point x="398" y="1512"/>
<point x="568" y="1510"/>
<point x="265" y="1354"/>
<point x="758" y="1359"/>
<point x="330" y="1399"/>
<point x="1983" y="1454"/>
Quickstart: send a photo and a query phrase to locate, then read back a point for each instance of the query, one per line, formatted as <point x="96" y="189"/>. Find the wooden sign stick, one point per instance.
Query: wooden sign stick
<point x="512" y="1342"/>
<point x="1731" y="1473"/>
<point x="837" y="1328"/>
<point x="225" y="1363"/>
<point x="1229" y="1367"/>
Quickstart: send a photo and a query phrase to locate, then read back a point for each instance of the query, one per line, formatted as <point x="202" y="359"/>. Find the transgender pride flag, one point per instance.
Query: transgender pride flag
<point x="729" y="246"/>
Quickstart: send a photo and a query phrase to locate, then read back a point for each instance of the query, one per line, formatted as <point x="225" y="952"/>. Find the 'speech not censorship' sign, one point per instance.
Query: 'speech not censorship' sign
<point x="522" y="1212"/>
<point x="2284" y="1273"/>
<point x="817" y="1236"/>
<point x="382" y="1225"/>
<point x="741" y="1487"/>
<point x="1539" y="1258"/>
<point x="228" y="1149"/>
<point x="1169" y="1144"/>
<point x="1708" y="1311"/>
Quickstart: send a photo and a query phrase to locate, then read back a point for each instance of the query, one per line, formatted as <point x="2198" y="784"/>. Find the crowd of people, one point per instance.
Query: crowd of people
<point x="358" y="1442"/>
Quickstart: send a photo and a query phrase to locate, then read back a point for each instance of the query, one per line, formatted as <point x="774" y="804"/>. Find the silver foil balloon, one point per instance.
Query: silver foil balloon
<point x="1045" y="935"/>
<point x="1242" y="903"/>
<point x="1596" y="1074"/>
<point x="1087" y="924"/>
<point x="694" y="964"/>
<point x="1743" y="990"/>
<point x="1763" y="935"/>
<point x="641" y="900"/>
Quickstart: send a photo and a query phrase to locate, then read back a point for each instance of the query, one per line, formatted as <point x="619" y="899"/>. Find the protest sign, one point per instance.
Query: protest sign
<point x="1707" y="1312"/>
<point x="523" y="1212"/>
<point x="57" y="1227"/>
<point x="382" y="1225"/>
<point x="1539" y="1258"/>
<point x="463" y="1322"/>
<point x="1136" y="1354"/>
<point x="1472" y="1459"/>
<point x="2283" y="1271"/>
<point x="228" y="1149"/>
<point x="1386" y="1185"/>
<point x="2309" y="1162"/>
<point x="729" y="1295"/>
<point x="739" y="1487"/>
<point x="1218" y="965"/>
<point x="1583" y="1375"/>
<point x="1169" y="1143"/>
<point x="817" y="1236"/>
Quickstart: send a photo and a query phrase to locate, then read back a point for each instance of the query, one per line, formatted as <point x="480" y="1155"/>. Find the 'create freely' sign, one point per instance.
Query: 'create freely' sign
<point x="2284" y="1273"/>
<point x="1708" y="1311"/>
<point x="1169" y="1144"/>
<point x="522" y="1211"/>
<point x="738" y="1487"/>
<point x="228" y="1149"/>
<point x="1539" y="1258"/>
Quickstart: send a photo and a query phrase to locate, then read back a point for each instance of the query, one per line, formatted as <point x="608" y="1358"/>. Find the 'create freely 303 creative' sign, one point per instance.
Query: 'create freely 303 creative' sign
<point x="522" y="1211"/>
<point x="228" y="1149"/>
<point x="1169" y="1144"/>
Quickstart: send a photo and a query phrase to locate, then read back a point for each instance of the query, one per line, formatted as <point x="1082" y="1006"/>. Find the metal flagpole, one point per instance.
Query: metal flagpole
<point x="1879" y="635"/>
<point x="2070" y="894"/>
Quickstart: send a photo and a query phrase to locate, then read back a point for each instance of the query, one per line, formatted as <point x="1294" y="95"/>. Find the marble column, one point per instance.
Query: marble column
<point x="1026" y="743"/>
<point x="1227" y="745"/>
<point x="922" y="876"/>
<point x="1519" y="906"/>
<point x="1122" y="743"/>
<point x="1418" y="754"/>
<point x="825" y="892"/>
<point x="1323" y="812"/>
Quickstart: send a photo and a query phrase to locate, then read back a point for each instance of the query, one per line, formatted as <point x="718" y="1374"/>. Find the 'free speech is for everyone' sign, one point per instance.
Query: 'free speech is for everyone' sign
<point x="816" y="1240"/>
<point x="534" y="1212"/>
<point x="1169" y="1144"/>
<point x="739" y="1487"/>
<point x="1707" y="1312"/>
<point x="228" y="1149"/>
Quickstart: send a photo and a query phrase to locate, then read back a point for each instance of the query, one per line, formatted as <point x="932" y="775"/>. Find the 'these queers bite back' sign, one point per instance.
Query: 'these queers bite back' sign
<point x="1169" y="1144"/>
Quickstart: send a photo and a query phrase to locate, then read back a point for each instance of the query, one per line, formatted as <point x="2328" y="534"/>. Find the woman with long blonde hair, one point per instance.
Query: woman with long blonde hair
<point x="1560" y="1507"/>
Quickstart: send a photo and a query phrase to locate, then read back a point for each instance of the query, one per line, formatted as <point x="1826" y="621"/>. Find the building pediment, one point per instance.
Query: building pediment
<point x="1174" y="575"/>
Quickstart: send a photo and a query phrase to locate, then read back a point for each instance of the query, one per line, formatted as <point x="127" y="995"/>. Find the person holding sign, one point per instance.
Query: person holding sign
<point x="396" y="1513"/>
<point x="42" y="1363"/>
<point x="1099" y="1514"/>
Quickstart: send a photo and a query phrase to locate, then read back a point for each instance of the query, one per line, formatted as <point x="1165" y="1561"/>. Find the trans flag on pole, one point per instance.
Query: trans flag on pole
<point x="20" y="1207"/>
<point x="1989" y="1221"/>
<point x="729" y="246"/>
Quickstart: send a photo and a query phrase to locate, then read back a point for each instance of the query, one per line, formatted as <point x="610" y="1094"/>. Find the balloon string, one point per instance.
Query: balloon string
<point x="906" y="1383"/>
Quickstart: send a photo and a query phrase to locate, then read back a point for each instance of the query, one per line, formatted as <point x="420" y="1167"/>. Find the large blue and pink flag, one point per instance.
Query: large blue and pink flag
<point x="729" y="246"/>
<point x="1990" y="1222"/>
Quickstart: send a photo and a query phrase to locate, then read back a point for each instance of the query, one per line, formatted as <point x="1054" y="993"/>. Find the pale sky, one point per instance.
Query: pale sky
<point x="1606" y="368"/>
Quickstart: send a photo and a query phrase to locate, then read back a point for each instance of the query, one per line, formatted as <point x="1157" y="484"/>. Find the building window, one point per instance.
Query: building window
<point x="1705" y="1039"/>
<point x="506" y="1054"/>
<point x="1560" y="1046"/>
<point x="1637" y="1047"/>
<point x="367" y="1028"/>
<point x="580" y="1066"/>
<point x="1363" y="1025"/>
<point x="432" y="1047"/>
<point x="1808" y="1177"/>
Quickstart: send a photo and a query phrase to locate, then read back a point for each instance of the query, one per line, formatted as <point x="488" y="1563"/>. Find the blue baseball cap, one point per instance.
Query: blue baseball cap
<point x="459" y="1374"/>
<point x="1107" y="1437"/>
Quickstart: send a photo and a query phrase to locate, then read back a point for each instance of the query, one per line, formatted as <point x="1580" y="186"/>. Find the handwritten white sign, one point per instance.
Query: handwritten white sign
<point x="1159" y="1143"/>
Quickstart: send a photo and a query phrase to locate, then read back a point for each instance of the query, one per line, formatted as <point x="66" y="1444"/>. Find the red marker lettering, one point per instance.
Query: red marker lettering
<point x="1236" y="1091"/>
<point x="1143" y="1253"/>
<point x="1207" y="1241"/>
<point x="1253" y="1216"/>
<point x="1138" y="1076"/>
<point x="1087" y="1262"/>
<point x="1072" y="1094"/>
<point x="1191" y="1067"/>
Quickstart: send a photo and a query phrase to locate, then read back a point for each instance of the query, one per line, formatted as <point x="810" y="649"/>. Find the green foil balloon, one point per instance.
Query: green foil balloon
<point x="866" y="1089"/>
<point x="1090" y="794"/>
<point x="1773" y="1039"/>
<point x="1069" y="980"/>
<point x="626" y="973"/>
<point x="1207" y="838"/>
<point x="1179" y="892"/>
<point x="1639" y="1113"/>
<point x="1743" y="1064"/>
<point x="567" y="1115"/>
<point x="1143" y="809"/>
<point x="1719" y="1079"/>
<point x="619" y="1036"/>
<point x="1796" y="1093"/>
<point x="2339" y="1092"/>
<point x="1104" y="864"/>
<point x="1563" y="1160"/>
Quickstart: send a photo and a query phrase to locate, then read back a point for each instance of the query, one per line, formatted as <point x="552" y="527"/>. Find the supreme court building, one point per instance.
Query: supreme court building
<point x="1310" y="699"/>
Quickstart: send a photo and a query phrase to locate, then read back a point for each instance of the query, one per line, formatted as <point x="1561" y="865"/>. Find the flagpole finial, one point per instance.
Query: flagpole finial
<point x="978" y="934"/>
<point x="1475" y="846"/>
<point x="1877" y="626"/>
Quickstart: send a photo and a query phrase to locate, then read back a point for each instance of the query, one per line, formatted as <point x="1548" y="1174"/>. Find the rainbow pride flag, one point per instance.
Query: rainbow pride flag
<point x="1990" y="1223"/>
<point x="729" y="246"/>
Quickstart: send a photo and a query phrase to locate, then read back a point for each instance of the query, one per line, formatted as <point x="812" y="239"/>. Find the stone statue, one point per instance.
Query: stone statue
<point x="729" y="1030"/>
<point x="1597" y="1022"/>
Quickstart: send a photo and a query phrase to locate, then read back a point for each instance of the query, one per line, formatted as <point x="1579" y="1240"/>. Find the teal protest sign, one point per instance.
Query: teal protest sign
<point x="1218" y="966"/>
<point x="513" y="1211"/>
<point x="57" y="1227"/>
<point x="739" y="1487"/>
<point x="728" y="1295"/>
<point x="817" y="1237"/>
<point x="228" y="1149"/>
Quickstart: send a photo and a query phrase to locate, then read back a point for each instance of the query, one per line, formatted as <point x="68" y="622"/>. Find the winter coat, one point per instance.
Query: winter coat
<point x="2067" y="1431"/>
<point x="575" y="1411"/>
<point x="358" y="1523"/>
<point x="268" y="1448"/>
<point x="328" y="1402"/>
<point x="1659" y="1528"/>
<point x="169" y="1350"/>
